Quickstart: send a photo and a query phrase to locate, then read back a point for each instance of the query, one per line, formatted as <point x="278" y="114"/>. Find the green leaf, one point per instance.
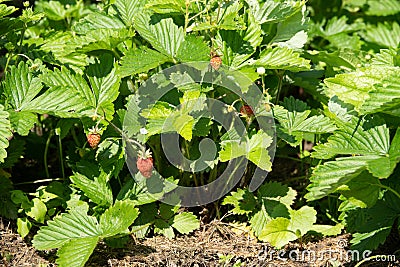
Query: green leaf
<point x="164" y="228"/>
<point x="183" y="124"/>
<point x="276" y="232"/>
<point x="370" y="89"/>
<point x="23" y="226"/>
<point x="14" y="153"/>
<point x="59" y="102"/>
<point x="6" y="10"/>
<point x="193" y="49"/>
<point x="238" y="46"/>
<point x="167" y="6"/>
<point x="292" y="32"/>
<point x="76" y="252"/>
<point x="37" y="211"/>
<point x="99" y="39"/>
<point x="20" y="87"/>
<point x="336" y="26"/>
<point x="328" y="230"/>
<point x="5" y="133"/>
<point x="162" y="34"/>
<point x="98" y="190"/>
<point x="272" y="12"/>
<point x="140" y="60"/>
<point x="53" y="10"/>
<point x="255" y="149"/>
<point x="96" y="21"/>
<point x="282" y="58"/>
<point x="382" y="7"/>
<point x="118" y="218"/>
<point x="354" y="139"/>
<point x="280" y="231"/>
<point x="386" y="35"/>
<point x="65" y="78"/>
<point x="362" y="191"/>
<point x="327" y="178"/>
<point x="185" y="222"/>
<point x="110" y="155"/>
<point x="277" y="192"/>
<point x="64" y="228"/>
<point x="127" y="9"/>
<point x="275" y="200"/>
<point x="242" y="200"/>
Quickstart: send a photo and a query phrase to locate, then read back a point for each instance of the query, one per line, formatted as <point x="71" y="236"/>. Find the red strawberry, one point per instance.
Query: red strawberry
<point x="145" y="164"/>
<point x="246" y="110"/>
<point x="93" y="139"/>
<point x="216" y="62"/>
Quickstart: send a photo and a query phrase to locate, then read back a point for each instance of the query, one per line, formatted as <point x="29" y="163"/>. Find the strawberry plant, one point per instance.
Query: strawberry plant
<point x="121" y="118"/>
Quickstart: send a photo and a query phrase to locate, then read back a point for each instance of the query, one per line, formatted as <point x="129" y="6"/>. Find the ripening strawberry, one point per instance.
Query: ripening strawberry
<point x="144" y="164"/>
<point x="216" y="62"/>
<point x="93" y="137"/>
<point x="246" y="110"/>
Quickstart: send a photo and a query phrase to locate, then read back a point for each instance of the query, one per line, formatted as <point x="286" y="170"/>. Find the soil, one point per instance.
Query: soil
<point x="215" y="244"/>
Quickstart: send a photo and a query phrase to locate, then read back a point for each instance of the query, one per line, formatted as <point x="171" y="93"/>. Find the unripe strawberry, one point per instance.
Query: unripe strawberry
<point x="216" y="62"/>
<point x="246" y="110"/>
<point x="144" y="164"/>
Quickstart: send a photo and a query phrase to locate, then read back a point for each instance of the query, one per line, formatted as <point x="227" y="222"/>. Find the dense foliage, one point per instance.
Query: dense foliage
<point x="327" y="71"/>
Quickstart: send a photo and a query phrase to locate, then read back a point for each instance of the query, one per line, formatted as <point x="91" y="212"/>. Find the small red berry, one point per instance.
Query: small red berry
<point x="93" y="139"/>
<point x="145" y="164"/>
<point x="246" y="110"/>
<point x="216" y="62"/>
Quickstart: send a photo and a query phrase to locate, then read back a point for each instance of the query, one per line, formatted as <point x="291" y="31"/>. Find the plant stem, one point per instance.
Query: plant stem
<point x="187" y="3"/>
<point x="60" y="149"/>
<point x="280" y="77"/>
<point x="389" y="188"/>
<point x="46" y="150"/>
